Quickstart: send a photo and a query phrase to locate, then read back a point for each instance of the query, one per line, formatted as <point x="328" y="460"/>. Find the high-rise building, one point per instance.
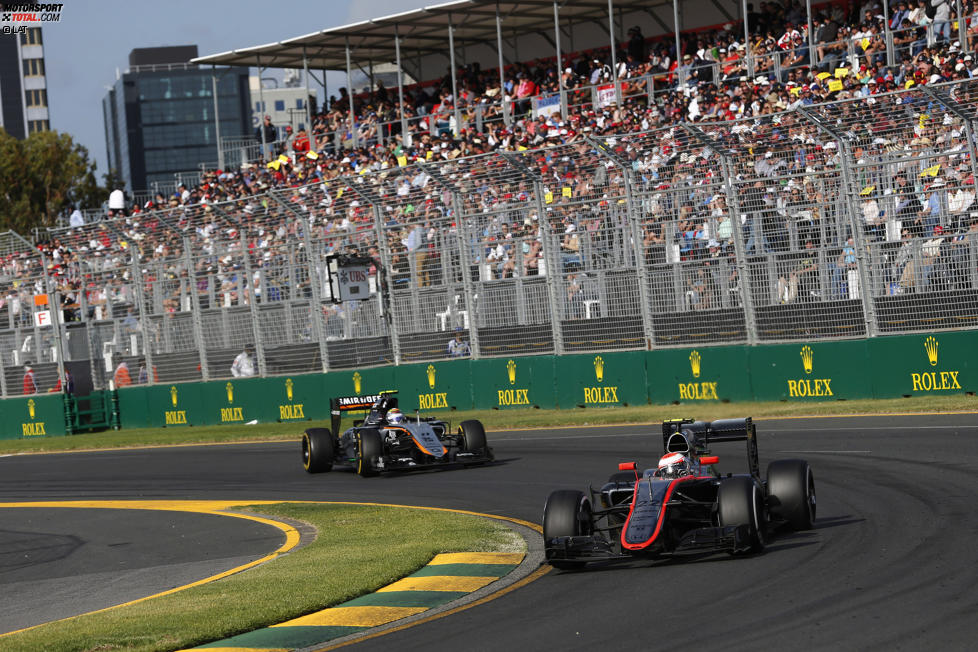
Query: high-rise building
<point x="160" y="121"/>
<point x="23" y="83"/>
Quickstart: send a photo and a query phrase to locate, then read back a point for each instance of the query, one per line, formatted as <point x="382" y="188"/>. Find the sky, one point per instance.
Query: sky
<point x="93" y="39"/>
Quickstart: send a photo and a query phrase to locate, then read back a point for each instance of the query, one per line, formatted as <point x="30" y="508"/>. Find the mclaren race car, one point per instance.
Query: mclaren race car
<point x="389" y="440"/>
<point x="682" y="506"/>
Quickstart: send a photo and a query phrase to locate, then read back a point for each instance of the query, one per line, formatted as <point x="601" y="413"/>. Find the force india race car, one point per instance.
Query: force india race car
<point x="685" y="506"/>
<point x="388" y="440"/>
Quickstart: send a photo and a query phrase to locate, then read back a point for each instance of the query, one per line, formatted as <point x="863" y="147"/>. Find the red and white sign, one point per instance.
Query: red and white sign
<point x="42" y="318"/>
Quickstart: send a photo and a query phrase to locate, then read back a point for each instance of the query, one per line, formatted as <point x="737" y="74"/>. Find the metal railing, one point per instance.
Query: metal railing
<point x="844" y="220"/>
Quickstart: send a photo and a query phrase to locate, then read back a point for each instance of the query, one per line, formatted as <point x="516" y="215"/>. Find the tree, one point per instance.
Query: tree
<point x="41" y="177"/>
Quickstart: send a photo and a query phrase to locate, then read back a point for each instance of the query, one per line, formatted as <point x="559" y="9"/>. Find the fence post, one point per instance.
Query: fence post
<point x="733" y="210"/>
<point x="252" y="301"/>
<point x="196" y="316"/>
<point x="858" y="236"/>
<point x="634" y="217"/>
<point x="554" y="267"/>
<point x="464" y="245"/>
<point x="145" y="325"/>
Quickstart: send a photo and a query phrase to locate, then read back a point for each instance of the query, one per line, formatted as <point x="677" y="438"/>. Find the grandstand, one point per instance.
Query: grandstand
<point x="801" y="203"/>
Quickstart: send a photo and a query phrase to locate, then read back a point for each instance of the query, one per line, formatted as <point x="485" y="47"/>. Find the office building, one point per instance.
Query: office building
<point x="160" y="120"/>
<point x="23" y="83"/>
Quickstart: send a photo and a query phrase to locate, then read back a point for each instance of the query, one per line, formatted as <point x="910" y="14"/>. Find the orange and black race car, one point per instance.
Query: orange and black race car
<point x="389" y="440"/>
<point x="683" y="505"/>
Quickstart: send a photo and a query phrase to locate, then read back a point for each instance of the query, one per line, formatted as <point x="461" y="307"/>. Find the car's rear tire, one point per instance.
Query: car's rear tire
<point x="474" y="438"/>
<point x="370" y="447"/>
<point x="567" y="513"/>
<point x="740" y="503"/>
<point x="791" y="492"/>
<point x="318" y="450"/>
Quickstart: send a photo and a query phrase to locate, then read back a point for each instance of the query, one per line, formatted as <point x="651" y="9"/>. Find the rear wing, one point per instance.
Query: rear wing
<point x="698" y="436"/>
<point x="376" y="404"/>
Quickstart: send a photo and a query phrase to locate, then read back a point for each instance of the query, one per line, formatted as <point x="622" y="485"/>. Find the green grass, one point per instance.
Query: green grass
<point x="358" y="550"/>
<point x="501" y="419"/>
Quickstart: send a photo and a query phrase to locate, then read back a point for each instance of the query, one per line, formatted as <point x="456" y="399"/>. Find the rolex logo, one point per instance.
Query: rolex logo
<point x="173" y="395"/>
<point x="806" y="358"/>
<point x="511" y="372"/>
<point x="599" y="368"/>
<point x="694" y="363"/>
<point x="431" y="376"/>
<point x="356" y="382"/>
<point x="288" y="388"/>
<point x="230" y="388"/>
<point x="930" y="344"/>
<point x="30" y="408"/>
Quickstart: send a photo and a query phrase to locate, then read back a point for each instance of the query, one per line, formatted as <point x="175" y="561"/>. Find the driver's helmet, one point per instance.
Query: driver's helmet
<point x="395" y="416"/>
<point x="673" y="465"/>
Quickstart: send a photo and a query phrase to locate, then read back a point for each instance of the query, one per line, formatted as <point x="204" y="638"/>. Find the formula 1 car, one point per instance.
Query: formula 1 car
<point x="685" y="506"/>
<point x="387" y="440"/>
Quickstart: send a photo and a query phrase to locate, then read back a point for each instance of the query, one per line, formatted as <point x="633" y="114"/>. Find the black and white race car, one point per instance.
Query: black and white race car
<point x="388" y="440"/>
<point x="684" y="505"/>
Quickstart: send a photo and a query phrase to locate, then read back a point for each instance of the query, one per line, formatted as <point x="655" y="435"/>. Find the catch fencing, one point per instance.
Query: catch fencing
<point x="844" y="220"/>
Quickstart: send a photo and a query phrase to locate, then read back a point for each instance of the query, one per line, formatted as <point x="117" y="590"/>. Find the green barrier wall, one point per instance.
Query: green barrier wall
<point x="701" y="374"/>
<point x="885" y="367"/>
<point x="916" y="365"/>
<point x="818" y="371"/>
<point x="602" y="380"/>
<point x="514" y="383"/>
<point x="32" y="416"/>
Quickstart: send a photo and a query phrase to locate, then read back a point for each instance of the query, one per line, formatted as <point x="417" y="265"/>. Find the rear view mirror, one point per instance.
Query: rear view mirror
<point x="626" y="466"/>
<point x="710" y="459"/>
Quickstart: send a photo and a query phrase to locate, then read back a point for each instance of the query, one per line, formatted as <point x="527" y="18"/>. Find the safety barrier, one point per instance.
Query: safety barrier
<point x="884" y="367"/>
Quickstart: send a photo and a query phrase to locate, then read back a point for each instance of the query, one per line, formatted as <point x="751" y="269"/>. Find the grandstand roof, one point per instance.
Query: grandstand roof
<point x="426" y="30"/>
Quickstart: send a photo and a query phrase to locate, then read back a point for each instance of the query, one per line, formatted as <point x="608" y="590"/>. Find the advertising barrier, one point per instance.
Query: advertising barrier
<point x="884" y="367"/>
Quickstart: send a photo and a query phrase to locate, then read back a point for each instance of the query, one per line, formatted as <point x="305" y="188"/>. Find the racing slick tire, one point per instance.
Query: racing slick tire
<point x="741" y="502"/>
<point x="791" y="493"/>
<point x="474" y="438"/>
<point x="567" y="514"/>
<point x="370" y="446"/>
<point x="318" y="451"/>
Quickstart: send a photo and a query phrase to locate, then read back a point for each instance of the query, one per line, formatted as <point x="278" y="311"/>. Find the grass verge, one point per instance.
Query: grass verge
<point x="358" y="550"/>
<point x="500" y="419"/>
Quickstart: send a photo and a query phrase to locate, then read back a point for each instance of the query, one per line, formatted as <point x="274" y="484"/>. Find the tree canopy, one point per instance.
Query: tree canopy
<point x="41" y="177"/>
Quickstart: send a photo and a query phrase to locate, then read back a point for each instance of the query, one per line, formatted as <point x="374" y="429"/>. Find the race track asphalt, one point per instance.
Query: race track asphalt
<point x="892" y="563"/>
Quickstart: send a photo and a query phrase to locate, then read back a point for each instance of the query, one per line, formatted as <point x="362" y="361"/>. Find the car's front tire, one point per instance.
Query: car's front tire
<point x="791" y="492"/>
<point x="567" y="513"/>
<point x="370" y="447"/>
<point x="474" y="438"/>
<point x="318" y="450"/>
<point x="741" y="503"/>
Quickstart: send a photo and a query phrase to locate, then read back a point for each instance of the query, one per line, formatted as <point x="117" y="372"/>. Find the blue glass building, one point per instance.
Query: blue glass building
<point x="160" y="119"/>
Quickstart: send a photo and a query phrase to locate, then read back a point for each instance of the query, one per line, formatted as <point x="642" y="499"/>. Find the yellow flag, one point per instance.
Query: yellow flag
<point x="402" y="161"/>
<point x="923" y="119"/>
<point x="823" y="75"/>
<point x="339" y="193"/>
<point x="548" y="197"/>
<point x="566" y="191"/>
<point x="932" y="171"/>
<point x="841" y="72"/>
<point x="864" y="43"/>
<point x="276" y="164"/>
<point x="520" y="148"/>
<point x="835" y="85"/>
<point x="795" y="90"/>
<point x="868" y="190"/>
<point x="621" y="201"/>
<point x="283" y="158"/>
<point x="311" y="154"/>
<point x="428" y="155"/>
<point x="908" y="84"/>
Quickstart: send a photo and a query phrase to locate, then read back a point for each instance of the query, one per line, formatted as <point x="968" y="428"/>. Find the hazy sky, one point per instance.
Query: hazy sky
<point x="93" y="39"/>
